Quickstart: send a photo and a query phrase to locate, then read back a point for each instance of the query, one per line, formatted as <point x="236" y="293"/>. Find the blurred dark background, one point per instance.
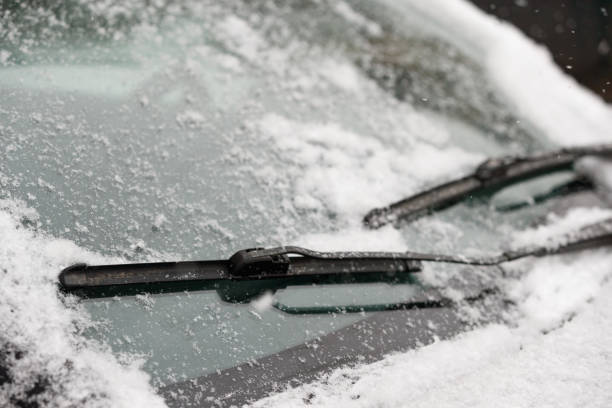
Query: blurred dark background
<point x="577" y="33"/>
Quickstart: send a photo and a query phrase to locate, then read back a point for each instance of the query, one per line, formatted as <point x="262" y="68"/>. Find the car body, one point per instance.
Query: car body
<point x="189" y="132"/>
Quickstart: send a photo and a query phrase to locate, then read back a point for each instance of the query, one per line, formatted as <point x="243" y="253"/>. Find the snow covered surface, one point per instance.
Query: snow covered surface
<point x="494" y="365"/>
<point x="47" y="357"/>
<point x="324" y="152"/>
<point x="600" y="172"/>
<point x="555" y="352"/>
<point x="523" y="71"/>
<point x="558" y="351"/>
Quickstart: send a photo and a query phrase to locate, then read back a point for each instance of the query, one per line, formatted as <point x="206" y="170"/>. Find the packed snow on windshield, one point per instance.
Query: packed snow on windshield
<point x="145" y="132"/>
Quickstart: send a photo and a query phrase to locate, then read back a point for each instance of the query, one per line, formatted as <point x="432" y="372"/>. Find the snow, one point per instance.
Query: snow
<point x="557" y="226"/>
<point x="555" y="349"/>
<point x="46" y="327"/>
<point x="557" y="354"/>
<point x="346" y="11"/>
<point x="335" y="165"/>
<point x="495" y="365"/>
<point x="190" y="118"/>
<point x="242" y="38"/>
<point x="599" y="171"/>
<point x="263" y="302"/>
<point x="341" y="74"/>
<point x="523" y="71"/>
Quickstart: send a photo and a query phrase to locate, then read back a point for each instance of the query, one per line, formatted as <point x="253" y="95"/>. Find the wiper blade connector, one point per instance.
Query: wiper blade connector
<point x="260" y="263"/>
<point x="490" y="176"/>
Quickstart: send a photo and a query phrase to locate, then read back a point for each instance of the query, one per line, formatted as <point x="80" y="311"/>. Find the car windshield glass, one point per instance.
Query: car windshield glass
<point x="214" y="135"/>
<point x="168" y="131"/>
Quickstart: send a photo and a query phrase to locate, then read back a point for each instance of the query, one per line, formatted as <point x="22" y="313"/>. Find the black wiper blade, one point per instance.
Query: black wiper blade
<point x="248" y="273"/>
<point x="489" y="177"/>
<point x="243" y="276"/>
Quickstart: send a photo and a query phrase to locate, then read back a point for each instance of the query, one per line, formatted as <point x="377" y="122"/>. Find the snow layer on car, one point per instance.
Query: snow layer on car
<point x="497" y="364"/>
<point x="553" y="354"/>
<point x="44" y="329"/>
<point x="46" y="360"/>
<point x="556" y="353"/>
<point x="325" y="155"/>
<point x="554" y="102"/>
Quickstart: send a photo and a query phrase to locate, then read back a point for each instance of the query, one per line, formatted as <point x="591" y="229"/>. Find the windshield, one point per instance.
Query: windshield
<point x="223" y="131"/>
<point x="169" y="131"/>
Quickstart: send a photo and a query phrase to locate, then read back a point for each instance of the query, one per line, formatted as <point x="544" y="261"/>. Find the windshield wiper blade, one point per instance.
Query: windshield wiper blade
<point x="489" y="177"/>
<point x="244" y="275"/>
<point x="248" y="273"/>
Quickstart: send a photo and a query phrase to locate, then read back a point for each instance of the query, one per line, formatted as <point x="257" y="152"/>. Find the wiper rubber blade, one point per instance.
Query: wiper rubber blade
<point x="248" y="273"/>
<point x="489" y="177"/>
<point x="246" y="270"/>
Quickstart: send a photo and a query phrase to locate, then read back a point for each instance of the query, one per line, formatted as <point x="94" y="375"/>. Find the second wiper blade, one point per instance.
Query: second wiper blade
<point x="490" y="176"/>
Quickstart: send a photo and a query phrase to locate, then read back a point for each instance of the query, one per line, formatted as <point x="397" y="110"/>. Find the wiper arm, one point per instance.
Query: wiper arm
<point x="489" y="177"/>
<point x="248" y="273"/>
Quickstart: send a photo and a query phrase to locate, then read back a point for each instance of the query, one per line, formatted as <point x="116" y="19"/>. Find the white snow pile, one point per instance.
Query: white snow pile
<point x="47" y="361"/>
<point x="326" y="174"/>
<point x="541" y="92"/>
<point x="491" y="366"/>
<point x="600" y="172"/>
